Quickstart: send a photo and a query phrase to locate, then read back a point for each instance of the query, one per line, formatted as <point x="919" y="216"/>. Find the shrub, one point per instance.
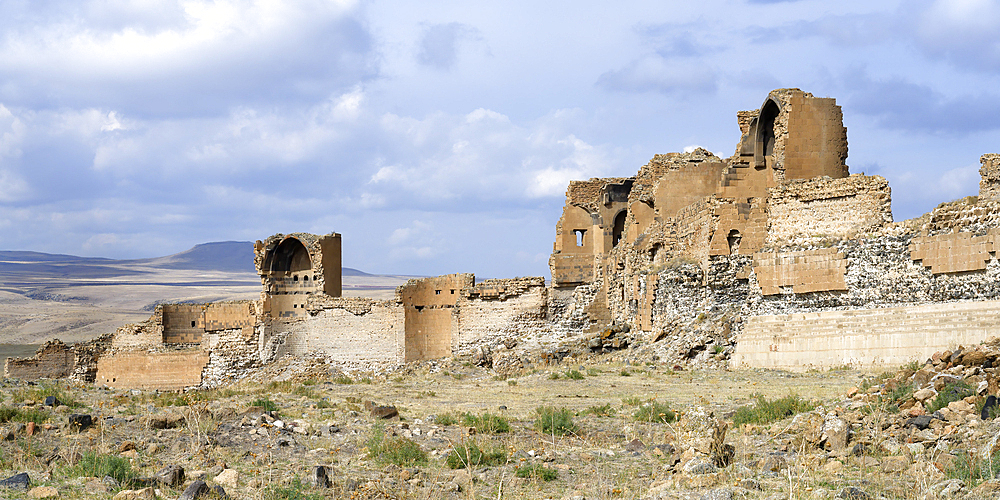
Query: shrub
<point x="343" y="380"/>
<point x="600" y="411"/>
<point x="98" y="465"/>
<point x="446" y="419"/>
<point x="487" y="423"/>
<point x="512" y="383"/>
<point x="574" y="375"/>
<point x="593" y="372"/>
<point x="470" y="455"/>
<point x="265" y="403"/>
<point x="953" y="391"/>
<point x="654" y="411"/>
<point x="559" y="421"/>
<point x="631" y="401"/>
<point x="536" y="471"/>
<point x="9" y="414"/>
<point x="295" y="490"/>
<point x="394" y="450"/>
<point x="766" y="411"/>
<point x="625" y="373"/>
<point x="972" y="469"/>
<point x="554" y="376"/>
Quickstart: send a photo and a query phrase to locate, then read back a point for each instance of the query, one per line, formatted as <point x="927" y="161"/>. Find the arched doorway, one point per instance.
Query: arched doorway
<point x="618" y="228"/>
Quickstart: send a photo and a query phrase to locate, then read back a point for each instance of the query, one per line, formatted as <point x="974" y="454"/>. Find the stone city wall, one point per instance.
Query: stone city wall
<point x="883" y="337"/>
<point x="165" y="370"/>
<point x="53" y="360"/>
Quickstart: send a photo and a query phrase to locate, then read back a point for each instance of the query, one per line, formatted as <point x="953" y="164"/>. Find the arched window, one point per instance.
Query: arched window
<point x="764" y="145"/>
<point x="289" y="256"/>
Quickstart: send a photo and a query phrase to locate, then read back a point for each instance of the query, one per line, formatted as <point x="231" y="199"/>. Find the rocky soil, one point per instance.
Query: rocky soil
<point x="303" y="430"/>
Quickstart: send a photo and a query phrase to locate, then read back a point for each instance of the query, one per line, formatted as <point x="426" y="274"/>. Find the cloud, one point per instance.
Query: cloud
<point x="899" y="104"/>
<point x="439" y="44"/>
<point x="656" y="74"/>
<point x="202" y="57"/>
<point x="963" y="32"/>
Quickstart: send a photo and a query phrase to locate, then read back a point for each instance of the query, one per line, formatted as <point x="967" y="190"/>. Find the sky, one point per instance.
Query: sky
<point x="439" y="137"/>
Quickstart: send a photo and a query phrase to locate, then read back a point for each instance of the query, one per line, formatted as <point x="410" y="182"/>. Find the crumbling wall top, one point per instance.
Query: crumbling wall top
<point x="989" y="181"/>
<point x="643" y="189"/>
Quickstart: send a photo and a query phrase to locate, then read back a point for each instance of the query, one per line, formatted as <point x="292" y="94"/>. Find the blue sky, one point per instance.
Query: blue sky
<point x="439" y="137"/>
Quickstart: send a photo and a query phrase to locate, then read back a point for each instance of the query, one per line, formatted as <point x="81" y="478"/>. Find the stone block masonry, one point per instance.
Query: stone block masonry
<point x="869" y="338"/>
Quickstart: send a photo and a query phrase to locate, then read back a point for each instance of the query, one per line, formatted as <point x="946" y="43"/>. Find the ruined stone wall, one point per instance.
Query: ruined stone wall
<point x="182" y="323"/>
<point x="53" y="360"/>
<point x="171" y="370"/>
<point x="822" y="207"/>
<point x="294" y="266"/>
<point x="870" y="338"/>
<point x="817" y="139"/>
<point x="233" y="353"/>
<point x="499" y="308"/>
<point x="989" y="181"/>
<point x="431" y="318"/>
<point x="359" y="333"/>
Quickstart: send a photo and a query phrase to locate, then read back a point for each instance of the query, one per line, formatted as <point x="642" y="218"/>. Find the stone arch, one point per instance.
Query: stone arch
<point x="288" y="257"/>
<point x="764" y="133"/>
<point x="618" y="229"/>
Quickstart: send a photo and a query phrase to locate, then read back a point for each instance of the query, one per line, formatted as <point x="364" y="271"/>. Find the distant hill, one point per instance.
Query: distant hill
<point x="230" y="256"/>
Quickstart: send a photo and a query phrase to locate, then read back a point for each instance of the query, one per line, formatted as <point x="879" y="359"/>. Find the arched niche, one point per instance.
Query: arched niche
<point x="765" y="137"/>
<point x="288" y="257"/>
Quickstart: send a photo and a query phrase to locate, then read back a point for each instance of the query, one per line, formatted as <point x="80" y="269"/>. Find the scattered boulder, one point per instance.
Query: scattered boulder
<point x="320" y="477"/>
<point x="384" y="412"/>
<point x="852" y="493"/>
<point x="80" y="422"/>
<point x="171" y="475"/>
<point x="197" y="489"/>
<point x="19" y="481"/>
<point x="43" y="492"/>
<point x="228" y="478"/>
<point x="52" y="401"/>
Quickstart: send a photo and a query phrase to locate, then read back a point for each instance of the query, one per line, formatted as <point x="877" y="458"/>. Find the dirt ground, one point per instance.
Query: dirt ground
<point x="324" y="421"/>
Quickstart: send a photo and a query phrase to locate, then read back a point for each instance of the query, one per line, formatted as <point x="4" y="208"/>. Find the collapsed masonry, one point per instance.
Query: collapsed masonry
<point x="300" y="313"/>
<point x="777" y="256"/>
<point x="773" y="257"/>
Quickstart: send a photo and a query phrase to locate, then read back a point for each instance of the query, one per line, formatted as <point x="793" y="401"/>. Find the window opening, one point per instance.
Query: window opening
<point x="734" y="242"/>
<point x="579" y="236"/>
<point x="437" y="292"/>
<point x="193" y="324"/>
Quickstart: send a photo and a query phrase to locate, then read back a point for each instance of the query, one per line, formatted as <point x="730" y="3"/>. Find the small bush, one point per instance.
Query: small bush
<point x="972" y="469"/>
<point x="951" y="392"/>
<point x="654" y="411"/>
<point x="554" y="376"/>
<point x="394" y="450"/>
<point x="9" y="414"/>
<point x="766" y="411"/>
<point x="600" y="411"/>
<point x="574" y="375"/>
<point x="512" y="383"/>
<point x="558" y="421"/>
<point x="446" y="419"/>
<point x="625" y="373"/>
<point x="593" y="372"/>
<point x="631" y="401"/>
<point x="343" y="380"/>
<point x="295" y="490"/>
<point x="470" y="455"/>
<point x="487" y="423"/>
<point x="265" y="403"/>
<point x="98" y="465"/>
<point x="536" y="471"/>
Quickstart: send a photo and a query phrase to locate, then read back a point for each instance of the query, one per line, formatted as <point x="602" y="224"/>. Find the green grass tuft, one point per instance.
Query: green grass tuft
<point x="766" y="411"/>
<point x="574" y="375"/>
<point x="536" y="471"/>
<point x="557" y="421"/>
<point x="394" y="450"/>
<point x="265" y="403"/>
<point x="470" y="456"/>
<point x="9" y="414"/>
<point x="487" y="423"/>
<point x="99" y="465"/>
<point x="654" y="411"/>
<point x="951" y="392"/>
